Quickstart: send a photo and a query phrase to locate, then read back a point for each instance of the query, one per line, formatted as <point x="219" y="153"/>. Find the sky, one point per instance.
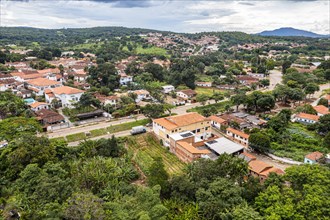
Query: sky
<point x="188" y="16"/>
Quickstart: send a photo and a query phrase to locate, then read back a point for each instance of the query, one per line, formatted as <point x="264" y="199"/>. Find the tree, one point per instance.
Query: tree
<point x="153" y="110"/>
<point x="11" y="105"/>
<point x="311" y="88"/>
<point x="323" y="102"/>
<point x="217" y="97"/>
<point x="158" y="175"/>
<point x="266" y="103"/>
<point x="286" y="64"/>
<point x="84" y="206"/>
<point x="324" y="124"/>
<point x="12" y="128"/>
<point x="244" y="212"/>
<point x="264" y="82"/>
<point x="202" y="98"/>
<point x="87" y="99"/>
<point x="259" y="141"/>
<point x="306" y="109"/>
<point x="326" y="140"/>
<point x="218" y="198"/>
<point x="238" y="99"/>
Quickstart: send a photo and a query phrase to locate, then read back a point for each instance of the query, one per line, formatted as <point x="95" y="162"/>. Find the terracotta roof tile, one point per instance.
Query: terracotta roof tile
<point x="314" y="156"/>
<point x="66" y="90"/>
<point x="172" y="122"/>
<point x="191" y="149"/>
<point x="43" y="82"/>
<point x="237" y="132"/>
<point x="308" y="116"/>
<point x="36" y="104"/>
<point x="321" y="109"/>
<point x="217" y="119"/>
<point x="258" y="166"/>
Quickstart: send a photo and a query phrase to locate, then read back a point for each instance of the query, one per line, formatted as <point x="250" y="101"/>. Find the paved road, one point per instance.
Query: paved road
<point x="86" y="128"/>
<point x="275" y="77"/>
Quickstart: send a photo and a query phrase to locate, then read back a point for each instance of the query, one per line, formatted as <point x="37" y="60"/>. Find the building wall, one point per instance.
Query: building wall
<point x="67" y="100"/>
<point x="202" y="130"/>
<point x="241" y="140"/>
<point x="305" y="121"/>
<point x="308" y="161"/>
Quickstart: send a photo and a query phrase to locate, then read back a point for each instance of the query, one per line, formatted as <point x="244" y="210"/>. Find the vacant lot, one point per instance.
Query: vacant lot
<point x="146" y="147"/>
<point x="104" y="131"/>
<point x="151" y="50"/>
<point x="208" y="91"/>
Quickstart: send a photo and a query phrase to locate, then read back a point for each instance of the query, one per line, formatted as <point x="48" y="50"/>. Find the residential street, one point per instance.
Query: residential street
<point x="275" y="77"/>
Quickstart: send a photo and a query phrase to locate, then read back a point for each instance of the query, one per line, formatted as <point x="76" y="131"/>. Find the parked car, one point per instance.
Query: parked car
<point x="138" y="130"/>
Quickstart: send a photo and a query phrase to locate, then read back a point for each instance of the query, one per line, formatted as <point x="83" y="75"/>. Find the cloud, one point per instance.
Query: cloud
<point x="173" y="15"/>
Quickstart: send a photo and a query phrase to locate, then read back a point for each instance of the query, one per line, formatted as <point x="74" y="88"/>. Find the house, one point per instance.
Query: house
<point x="321" y="110"/>
<point x="238" y="136"/>
<point x="313" y="157"/>
<point x="226" y="86"/>
<point x="223" y="145"/>
<point x="203" y="84"/>
<point x="258" y="168"/>
<point x="186" y="94"/>
<point x="217" y="122"/>
<point x="231" y="118"/>
<point x="36" y="106"/>
<point x="193" y="122"/>
<point x="182" y="145"/>
<point x="305" y="118"/>
<point x="6" y="84"/>
<point x="65" y="94"/>
<point x="247" y="80"/>
<point x="168" y="88"/>
<point x="48" y="117"/>
<point x="79" y="75"/>
<point x="105" y="100"/>
<point x="125" y="79"/>
<point x="141" y="94"/>
<point x="3" y="144"/>
<point x="39" y="85"/>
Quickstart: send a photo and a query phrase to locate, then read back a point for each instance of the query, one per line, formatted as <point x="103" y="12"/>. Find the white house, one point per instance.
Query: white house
<point x="79" y="75"/>
<point x="39" y="85"/>
<point x="125" y="79"/>
<point x="204" y="84"/>
<point x="168" y="88"/>
<point x="186" y="94"/>
<point x="306" y="118"/>
<point x="217" y="122"/>
<point x="36" y="106"/>
<point x="141" y="94"/>
<point x="65" y="94"/>
<point x="313" y="157"/>
<point x="238" y="136"/>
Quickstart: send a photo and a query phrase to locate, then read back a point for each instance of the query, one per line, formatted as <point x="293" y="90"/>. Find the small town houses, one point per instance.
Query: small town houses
<point x="65" y="94"/>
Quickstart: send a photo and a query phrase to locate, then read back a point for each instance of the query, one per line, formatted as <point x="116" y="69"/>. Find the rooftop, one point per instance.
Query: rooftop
<point x="217" y="119"/>
<point x="36" y="104"/>
<point x="258" y="166"/>
<point x="237" y="132"/>
<point x="176" y="121"/>
<point x="321" y="109"/>
<point x="66" y="90"/>
<point x="191" y="149"/>
<point x="43" y="82"/>
<point x="314" y="155"/>
<point x="223" y="145"/>
<point x="308" y="116"/>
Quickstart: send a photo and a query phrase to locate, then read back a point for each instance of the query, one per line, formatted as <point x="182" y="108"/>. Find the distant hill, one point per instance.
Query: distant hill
<point x="291" y="32"/>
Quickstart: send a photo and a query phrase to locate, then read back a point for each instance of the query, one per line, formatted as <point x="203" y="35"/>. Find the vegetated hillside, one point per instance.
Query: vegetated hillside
<point x="284" y="32"/>
<point x="10" y="34"/>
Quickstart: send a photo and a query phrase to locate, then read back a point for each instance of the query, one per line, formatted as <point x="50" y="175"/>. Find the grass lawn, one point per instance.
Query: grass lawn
<point x="104" y="131"/>
<point x="151" y="50"/>
<point x="220" y="107"/>
<point x="208" y="91"/>
<point x="299" y="142"/>
<point x="75" y="137"/>
<point x="146" y="147"/>
<point x="127" y="126"/>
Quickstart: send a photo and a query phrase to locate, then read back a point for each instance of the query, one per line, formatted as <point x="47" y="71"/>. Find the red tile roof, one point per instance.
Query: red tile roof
<point x="321" y="109"/>
<point x="237" y="132"/>
<point x="217" y="119"/>
<point x="172" y="122"/>
<point x="314" y="156"/>
<point x="66" y="90"/>
<point x="308" y="116"/>
<point x="43" y="82"/>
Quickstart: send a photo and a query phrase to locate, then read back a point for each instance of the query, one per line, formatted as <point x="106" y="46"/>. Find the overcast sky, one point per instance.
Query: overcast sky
<point x="172" y="15"/>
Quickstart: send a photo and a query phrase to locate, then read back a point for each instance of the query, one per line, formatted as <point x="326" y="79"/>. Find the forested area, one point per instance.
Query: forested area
<point x="43" y="178"/>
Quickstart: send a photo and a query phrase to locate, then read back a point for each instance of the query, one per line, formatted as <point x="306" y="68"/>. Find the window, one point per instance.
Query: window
<point x="206" y="128"/>
<point x="167" y="136"/>
<point x="198" y="130"/>
<point x="194" y="131"/>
